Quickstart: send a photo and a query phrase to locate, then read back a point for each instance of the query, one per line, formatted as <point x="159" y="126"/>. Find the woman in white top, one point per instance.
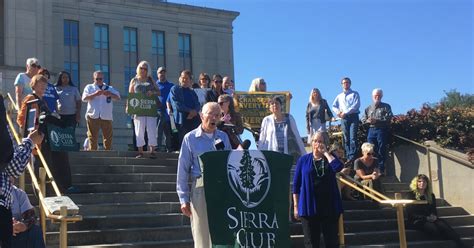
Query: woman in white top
<point x="279" y="132"/>
<point x="142" y="83"/>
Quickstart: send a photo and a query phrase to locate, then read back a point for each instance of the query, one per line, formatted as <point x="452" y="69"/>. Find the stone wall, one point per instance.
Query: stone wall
<point x="452" y="181"/>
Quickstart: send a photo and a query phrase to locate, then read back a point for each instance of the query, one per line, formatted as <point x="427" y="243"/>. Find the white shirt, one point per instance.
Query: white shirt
<point x="98" y="107"/>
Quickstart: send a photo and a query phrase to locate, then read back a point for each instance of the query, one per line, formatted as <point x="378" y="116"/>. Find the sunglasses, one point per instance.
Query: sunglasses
<point x="370" y="153"/>
<point x="221" y="103"/>
<point x="99" y="79"/>
<point x="144" y="68"/>
<point x="218" y="81"/>
<point x="34" y="65"/>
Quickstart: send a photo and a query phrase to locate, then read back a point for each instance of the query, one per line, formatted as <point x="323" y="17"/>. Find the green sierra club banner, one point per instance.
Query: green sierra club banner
<point x="247" y="195"/>
<point x="62" y="139"/>
<point x="142" y="105"/>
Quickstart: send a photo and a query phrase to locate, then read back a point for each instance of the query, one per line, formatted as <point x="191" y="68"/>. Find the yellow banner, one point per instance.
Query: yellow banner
<point x="254" y="106"/>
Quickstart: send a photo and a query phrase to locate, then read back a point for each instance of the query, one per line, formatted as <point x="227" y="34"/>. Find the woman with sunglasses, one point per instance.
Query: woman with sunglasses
<point x="233" y="119"/>
<point x="143" y="83"/>
<point x="317" y="113"/>
<point x="366" y="168"/>
<point x="216" y="89"/>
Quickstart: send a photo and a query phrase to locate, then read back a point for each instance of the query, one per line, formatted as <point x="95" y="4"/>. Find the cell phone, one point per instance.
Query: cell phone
<point x="31" y="120"/>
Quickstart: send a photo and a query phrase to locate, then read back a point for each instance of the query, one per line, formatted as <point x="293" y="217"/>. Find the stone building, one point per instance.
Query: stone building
<point x="81" y="36"/>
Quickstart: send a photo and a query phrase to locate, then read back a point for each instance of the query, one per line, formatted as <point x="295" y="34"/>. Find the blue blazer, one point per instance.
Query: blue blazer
<point x="303" y="185"/>
<point x="182" y="106"/>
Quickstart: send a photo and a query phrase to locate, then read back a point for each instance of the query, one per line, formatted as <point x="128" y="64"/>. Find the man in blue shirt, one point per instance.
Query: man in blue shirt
<point x="163" y="118"/>
<point x="379" y="116"/>
<point x="346" y="106"/>
<point x="204" y="138"/>
<point x="185" y="105"/>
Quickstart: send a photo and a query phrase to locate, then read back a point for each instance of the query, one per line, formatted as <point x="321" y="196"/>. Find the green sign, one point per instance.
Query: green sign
<point x="62" y="139"/>
<point x="141" y="105"/>
<point x="254" y="106"/>
<point x="247" y="196"/>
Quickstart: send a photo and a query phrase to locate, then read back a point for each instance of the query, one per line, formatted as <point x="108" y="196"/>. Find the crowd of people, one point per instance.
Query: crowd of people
<point x="193" y="118"/>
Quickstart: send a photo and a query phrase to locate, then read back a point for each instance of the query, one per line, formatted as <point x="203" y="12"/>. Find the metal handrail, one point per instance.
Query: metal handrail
<point x="453" y="157"/>
<point x="41" y="187"/>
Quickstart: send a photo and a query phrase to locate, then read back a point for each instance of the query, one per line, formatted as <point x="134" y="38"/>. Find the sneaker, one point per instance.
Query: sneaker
<point x="140" y="155"/>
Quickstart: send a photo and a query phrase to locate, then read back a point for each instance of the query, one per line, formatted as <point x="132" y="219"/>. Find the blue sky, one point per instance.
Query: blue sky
<point x="413" y="49"/>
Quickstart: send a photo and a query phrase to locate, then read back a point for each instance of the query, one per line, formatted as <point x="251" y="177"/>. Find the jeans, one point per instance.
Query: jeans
<point x="378" y="136"/>
<point x="164" y="128"/>
<point x="349" y="126"/>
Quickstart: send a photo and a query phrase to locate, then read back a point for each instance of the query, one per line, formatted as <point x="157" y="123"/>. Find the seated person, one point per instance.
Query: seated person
<point x="26" y="234"/>
<point x="366" y="168"/>
<point x="424" y="217"/>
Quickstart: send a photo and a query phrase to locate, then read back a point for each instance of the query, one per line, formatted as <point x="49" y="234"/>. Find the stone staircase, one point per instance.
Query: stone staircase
<point x="129" y="202"/>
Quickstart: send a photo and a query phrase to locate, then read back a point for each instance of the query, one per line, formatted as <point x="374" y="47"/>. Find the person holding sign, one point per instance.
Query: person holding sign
<point x="204" y="138"/>
<point x="99" y="96"/>
<point x="141" y="84"/>
<point x="279" y="132"/>
<point x="316" y="199"/>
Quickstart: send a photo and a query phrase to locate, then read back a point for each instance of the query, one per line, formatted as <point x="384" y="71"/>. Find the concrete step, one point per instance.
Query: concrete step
<point x="108" y="154"/>
<point x="354" y="226"/>
<point x="362" y="239"/>
<point x="124" y="197"/>
<point x="128" y="177"/>
<point x="126" y="221"/>
<point x="111" y="236"/>
<point x="121" y="169"/>
<point x="390" y="213"/>
<point x="185" y="243"/>
<point x="121" y="187"/>
<point x="130" y="208"/>
<point x="97" y="161"/>
<point x="469" y="241"/>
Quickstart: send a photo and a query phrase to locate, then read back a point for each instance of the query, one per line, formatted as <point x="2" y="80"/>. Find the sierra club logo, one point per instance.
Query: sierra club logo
<point x="249" y="176"/>
<point x="134" y="103"/>
<point x="54" y="137"/>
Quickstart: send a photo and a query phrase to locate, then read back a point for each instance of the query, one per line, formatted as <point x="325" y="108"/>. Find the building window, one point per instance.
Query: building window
<point x="158" y="51"/>
<point x="101" y="45"/>
<point x="184" y="44"/>
<point x="71" y="50"/>
<point x="130" y="55"/>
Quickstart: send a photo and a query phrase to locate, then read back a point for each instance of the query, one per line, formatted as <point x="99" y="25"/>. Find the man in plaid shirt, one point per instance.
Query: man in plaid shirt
<point x="15" y="161"/>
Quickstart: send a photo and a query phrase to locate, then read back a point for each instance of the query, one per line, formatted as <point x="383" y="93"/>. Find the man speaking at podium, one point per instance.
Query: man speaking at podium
<point x="204" y="138"/>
